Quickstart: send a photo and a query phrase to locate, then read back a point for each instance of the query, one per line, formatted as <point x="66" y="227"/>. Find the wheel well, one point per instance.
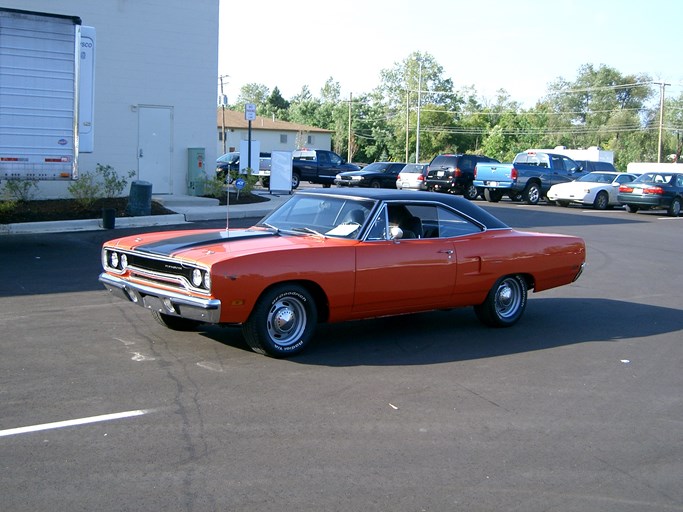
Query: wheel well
<point x="529" y="280"/>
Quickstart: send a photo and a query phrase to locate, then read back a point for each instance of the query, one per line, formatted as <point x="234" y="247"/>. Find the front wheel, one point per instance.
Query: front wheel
<point x="674" y="209"/>
<point x="601" y="201"/>
<point x="282" y="322"/>
<point x="504" y="303"/>
<point x="631" y="208"/>
<point x="295" y="180"/>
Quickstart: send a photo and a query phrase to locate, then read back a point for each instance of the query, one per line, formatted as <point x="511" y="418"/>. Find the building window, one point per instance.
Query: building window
<point x="283" y="138"/>
<point x="309" y="140"/>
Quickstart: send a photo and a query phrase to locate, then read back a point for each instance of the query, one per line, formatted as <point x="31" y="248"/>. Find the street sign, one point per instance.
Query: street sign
<point x="249" y="111"/>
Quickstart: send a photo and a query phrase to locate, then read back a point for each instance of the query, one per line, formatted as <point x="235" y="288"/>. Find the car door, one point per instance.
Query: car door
<point x="390" y="175"/>
<point x="396" y="275"/>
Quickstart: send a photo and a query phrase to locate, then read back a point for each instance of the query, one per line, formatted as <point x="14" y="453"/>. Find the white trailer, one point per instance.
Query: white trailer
<point x="40" y="57"/>
<point x="592" y="153"/>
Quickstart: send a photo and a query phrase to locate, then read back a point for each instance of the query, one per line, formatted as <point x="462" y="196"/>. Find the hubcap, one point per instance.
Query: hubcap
<point x="286" y="321"/>
<point x="508" y="298"/>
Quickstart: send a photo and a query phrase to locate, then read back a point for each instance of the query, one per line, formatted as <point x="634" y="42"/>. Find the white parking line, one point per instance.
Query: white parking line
<point x="71" y="423"/>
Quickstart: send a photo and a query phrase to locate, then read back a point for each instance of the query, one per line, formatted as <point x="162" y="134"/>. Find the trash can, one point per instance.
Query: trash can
<point x="108" y="218"/>
<point x="140" y="199"/>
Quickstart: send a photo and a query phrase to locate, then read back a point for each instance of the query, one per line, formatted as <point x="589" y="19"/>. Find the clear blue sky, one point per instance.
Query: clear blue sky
<point x="518" y="45"/>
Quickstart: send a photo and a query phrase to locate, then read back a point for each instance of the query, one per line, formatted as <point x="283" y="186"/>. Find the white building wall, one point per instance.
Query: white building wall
<point x="149" y="53"/>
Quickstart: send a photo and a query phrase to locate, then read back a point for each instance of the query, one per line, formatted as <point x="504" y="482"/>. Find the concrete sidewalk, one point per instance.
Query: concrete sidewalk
<point x="187" y="208"/>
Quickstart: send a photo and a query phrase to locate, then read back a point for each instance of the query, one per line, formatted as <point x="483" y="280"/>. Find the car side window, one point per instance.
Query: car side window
<point x="335" y="159"/>
<point x="323" y="158"/>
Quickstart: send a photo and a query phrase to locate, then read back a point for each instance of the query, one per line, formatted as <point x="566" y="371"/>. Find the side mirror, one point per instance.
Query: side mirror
<point x="395" y="233"/>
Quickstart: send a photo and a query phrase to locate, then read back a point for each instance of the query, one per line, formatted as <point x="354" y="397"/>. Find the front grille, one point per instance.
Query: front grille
<point x="155" y="270"/>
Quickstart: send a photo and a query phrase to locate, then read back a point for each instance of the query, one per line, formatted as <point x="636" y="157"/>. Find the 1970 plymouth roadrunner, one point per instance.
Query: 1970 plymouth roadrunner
<point x="333" y="255"/>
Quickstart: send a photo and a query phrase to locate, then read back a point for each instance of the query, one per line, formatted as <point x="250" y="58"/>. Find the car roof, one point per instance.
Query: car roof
<point x="459" y="203"/>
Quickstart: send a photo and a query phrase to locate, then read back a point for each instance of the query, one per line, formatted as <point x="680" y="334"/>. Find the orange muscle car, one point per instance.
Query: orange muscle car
<point x="329" y="255"/>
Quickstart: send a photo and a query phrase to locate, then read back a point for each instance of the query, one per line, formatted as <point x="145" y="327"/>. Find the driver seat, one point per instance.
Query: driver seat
<point x="412" y="227"/>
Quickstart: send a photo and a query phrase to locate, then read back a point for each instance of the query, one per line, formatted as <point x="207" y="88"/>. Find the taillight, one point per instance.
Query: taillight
<point x="513" y="174"/>
<point x="653" y="190"/>
<point x="475" y="172"/>
<point x="625" y="188"/>
<point x="457" y="173"/>
<point x="420" y="178"/>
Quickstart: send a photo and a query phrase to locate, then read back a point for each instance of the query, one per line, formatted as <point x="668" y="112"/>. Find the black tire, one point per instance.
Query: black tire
<point x="470" y="192"/>
<point x="175" y="323"/>
<point x="296" y="180"/>
<point x="601" y="201"/>
<point x="265" y="182"/>
<point x="564" y="204"/>
<point x="505" y="302"/>
<point x="532" y="194"/>
<point x="632" y="208"/>
<point x="282" y="322"/>
<point x="375" y="184"/>
<point x="492" y="195"/>
<point x="674" y="209"/>
<point x="515" y="196"/>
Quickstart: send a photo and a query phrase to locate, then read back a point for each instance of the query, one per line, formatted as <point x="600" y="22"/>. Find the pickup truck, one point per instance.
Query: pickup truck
<point x="318" y="166"/>
<point x="527" y="178"/>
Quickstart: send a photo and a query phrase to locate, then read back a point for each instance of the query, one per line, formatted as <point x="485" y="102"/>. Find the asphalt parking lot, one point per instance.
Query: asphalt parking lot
<point x="576" y="408"/>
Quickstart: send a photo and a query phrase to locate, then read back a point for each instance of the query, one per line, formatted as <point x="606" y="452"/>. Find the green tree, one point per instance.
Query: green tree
<point x="257" y="94"/>
<point x="277" y="105"/>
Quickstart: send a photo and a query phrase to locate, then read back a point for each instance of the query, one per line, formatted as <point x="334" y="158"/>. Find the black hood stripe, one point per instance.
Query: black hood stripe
<point x="180" y="243"/>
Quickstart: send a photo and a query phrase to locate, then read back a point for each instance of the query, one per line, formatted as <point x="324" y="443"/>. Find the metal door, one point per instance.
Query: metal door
<point x="155" y="147"/>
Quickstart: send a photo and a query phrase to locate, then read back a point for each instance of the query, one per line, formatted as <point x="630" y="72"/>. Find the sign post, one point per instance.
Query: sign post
<point x="249" y="115"/>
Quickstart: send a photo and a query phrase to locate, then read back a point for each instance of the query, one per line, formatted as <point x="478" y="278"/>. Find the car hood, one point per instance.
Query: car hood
<point x="211" y="246"/>
<point x="361" y="172"/>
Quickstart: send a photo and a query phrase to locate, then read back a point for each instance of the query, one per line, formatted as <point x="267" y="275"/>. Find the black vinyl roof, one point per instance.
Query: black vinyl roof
<point x="458" y="203"/>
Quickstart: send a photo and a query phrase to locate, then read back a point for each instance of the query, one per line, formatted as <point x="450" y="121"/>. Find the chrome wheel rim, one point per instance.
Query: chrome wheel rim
<point x="508" y="298"/>
<point x="286" y="321"/>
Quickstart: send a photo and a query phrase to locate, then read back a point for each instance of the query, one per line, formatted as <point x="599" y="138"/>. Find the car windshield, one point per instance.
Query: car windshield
<point x="597" y="177"/>
<point x="376" y="167"/>
<point x="340" y="217"/>
<point x="413" y="168"/>
<point x="654" y="177"/>
<point x="229" y="158"/>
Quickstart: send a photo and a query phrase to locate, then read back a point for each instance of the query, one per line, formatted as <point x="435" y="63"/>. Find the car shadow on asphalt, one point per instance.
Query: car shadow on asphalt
<point x="456" y="335"/>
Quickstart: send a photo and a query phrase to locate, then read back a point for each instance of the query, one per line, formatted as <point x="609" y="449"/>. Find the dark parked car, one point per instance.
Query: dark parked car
<point x="375" y="175"/>
<point x="590" y="166"/>
<point x="229" y="165"/>
<point x="455" y="174"/>
<point x="654" y="190"/>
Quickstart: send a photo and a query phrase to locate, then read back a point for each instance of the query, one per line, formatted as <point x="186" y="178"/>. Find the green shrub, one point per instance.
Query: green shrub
<point x="103" y="183"/>
<point x="214" y="187"/>
<point x="20" y="190"/>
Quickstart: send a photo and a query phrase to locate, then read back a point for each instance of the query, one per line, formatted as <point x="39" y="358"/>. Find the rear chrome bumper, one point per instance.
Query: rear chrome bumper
<point x="169" y="303"/>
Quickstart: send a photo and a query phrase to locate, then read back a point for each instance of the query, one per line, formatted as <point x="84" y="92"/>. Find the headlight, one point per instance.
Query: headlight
<point x="357" y="178"/>
<point x="207" y="280"/>
<point x="197" y="277"/>
<point x="124" y="261"/>
<point x="114" y="260"/>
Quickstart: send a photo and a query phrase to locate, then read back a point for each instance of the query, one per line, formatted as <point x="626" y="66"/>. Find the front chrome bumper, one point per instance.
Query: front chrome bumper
<point x="169" y="303"/>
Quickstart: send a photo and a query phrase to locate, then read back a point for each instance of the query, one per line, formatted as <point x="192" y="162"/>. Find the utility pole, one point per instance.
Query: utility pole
<point x="662" y="85"/>
<point x="348" y="153"/>
<point x="223" y="100"/>
<point x="419" y="101"/>
<point x="407" y="120"/>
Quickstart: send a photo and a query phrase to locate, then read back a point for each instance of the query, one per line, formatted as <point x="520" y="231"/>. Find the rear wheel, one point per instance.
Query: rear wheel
<point x="296" y="180"/>
<point x="282" y="322"/>
<point x="532" y="194"/>
<point x="471" y="192"/>
<point x="492" y="195"/>
<point x="375" y="184"/>
<point x="562" y="203"/>
<point x="675" y="208"/>
<point x="631" y="208"/>
<point x="175" y="323"/>
<point x="505" y="302"/>
<point x="601" y="201"/>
